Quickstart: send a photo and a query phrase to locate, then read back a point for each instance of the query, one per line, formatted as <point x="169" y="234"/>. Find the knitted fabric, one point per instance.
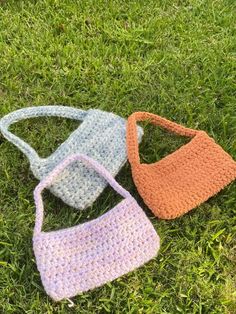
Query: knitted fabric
<point x="183" y="179"/>
<point x="80" y="258"/>
<point x="101" y="136"/>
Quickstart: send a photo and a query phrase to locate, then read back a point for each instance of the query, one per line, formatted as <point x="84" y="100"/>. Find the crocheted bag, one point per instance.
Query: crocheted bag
<point x="81" y="258"/>
<point x="183" y="179"/>
<point x="101" y="136"/>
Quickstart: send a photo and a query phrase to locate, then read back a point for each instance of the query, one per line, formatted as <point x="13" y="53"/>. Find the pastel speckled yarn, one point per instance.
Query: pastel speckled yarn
<point x="101" y="136"/>
<point x="184" y="179"/>
<point x="80" y="258"/>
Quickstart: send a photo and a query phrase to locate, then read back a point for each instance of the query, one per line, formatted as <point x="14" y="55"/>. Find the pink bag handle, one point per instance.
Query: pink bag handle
<point x="47" y="181"/>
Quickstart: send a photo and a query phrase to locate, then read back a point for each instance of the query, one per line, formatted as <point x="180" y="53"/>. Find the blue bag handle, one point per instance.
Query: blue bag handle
<point x="32" y="112"/>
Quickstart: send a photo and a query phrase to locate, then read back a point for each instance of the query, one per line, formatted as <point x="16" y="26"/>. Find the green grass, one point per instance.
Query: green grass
<point x="173" y="58"/>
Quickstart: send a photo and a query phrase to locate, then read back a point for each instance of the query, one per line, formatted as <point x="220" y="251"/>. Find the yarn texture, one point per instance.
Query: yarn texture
<point x="184" y="179"/>
<point x="101" y="135"/>
<point x="81" y="258"/>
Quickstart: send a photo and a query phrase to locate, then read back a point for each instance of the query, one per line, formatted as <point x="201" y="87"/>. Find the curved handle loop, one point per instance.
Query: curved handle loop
<point x="47" y="181"/>
<point x="32" y="112"/>
<point x="131" y="137"/>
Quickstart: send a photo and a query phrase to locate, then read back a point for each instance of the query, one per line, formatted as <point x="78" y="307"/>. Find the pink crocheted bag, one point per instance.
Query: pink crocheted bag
<point x="80" y="258"/>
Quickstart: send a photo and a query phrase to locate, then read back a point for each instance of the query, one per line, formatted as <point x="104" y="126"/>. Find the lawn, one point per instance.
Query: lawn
<point x="173" y="58"/>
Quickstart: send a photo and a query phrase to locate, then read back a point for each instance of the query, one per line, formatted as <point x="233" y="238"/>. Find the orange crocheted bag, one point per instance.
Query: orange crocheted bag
<point x="184" y="179"/>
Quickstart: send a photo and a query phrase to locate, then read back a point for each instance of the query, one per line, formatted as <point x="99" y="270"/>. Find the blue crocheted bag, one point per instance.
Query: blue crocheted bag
<point x="101" y="136"/>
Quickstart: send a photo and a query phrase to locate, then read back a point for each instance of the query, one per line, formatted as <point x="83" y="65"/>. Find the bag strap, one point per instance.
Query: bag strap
<point x="32" y="112"/>
<point x="47" y="181"/>
<point x="131" y="136"/>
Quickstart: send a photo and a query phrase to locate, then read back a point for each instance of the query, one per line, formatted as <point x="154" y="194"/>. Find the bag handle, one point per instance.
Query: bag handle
<point x="131" y="135"/>
<point x="47" y="181"/>
<point x="32" y="112"/>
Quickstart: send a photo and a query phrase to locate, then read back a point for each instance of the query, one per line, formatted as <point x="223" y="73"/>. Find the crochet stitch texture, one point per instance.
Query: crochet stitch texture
<point x="81" y="258"/>
<point x="101" y="135"/>
<point x="184" y="179"/>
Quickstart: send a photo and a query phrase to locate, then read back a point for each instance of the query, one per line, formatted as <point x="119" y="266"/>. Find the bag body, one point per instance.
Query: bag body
<point x="101" y="135"/>
<point x="81" y="258"/>
<point x="184" y="179"/>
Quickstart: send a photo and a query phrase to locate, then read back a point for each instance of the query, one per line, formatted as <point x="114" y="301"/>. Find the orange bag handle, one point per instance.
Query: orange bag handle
<point x="131" y="135"/>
